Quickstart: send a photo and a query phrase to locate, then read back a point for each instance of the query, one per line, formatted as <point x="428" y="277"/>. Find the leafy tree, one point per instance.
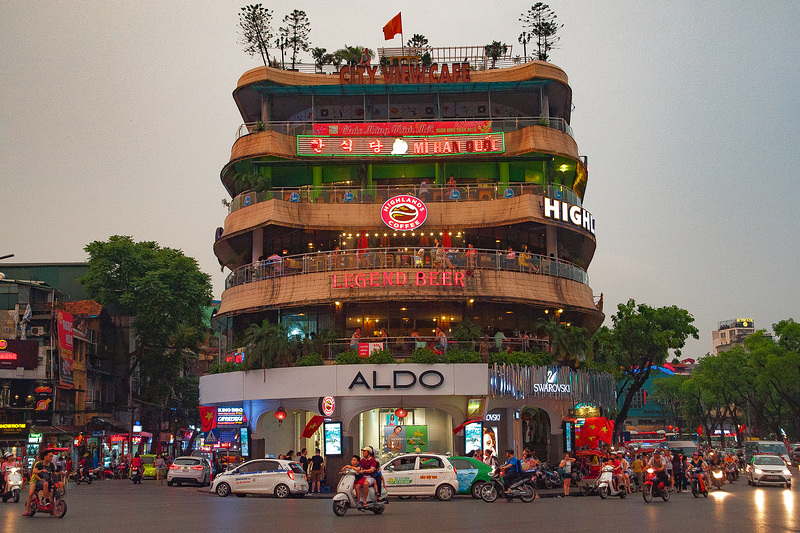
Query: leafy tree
<point x="541" y="22"/>
<point x="266" y="346"/>
<point x="353" y="55"/>
<point x="667" y="394"/>
<point x="495" y="50"/>
<point x="321" y="57"/>
<point x="641" y="338"/>
<point x="296" y="29"/>
<point x="418" y="41"/>
<point x="165" y="293"/>
<point x="256" y="32"/>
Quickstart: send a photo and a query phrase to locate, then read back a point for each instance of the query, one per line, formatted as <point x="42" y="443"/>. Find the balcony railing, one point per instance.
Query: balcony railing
<point x="499" y="124"/>
<point x="393" y="258"/>
<point x="345" y="193"/>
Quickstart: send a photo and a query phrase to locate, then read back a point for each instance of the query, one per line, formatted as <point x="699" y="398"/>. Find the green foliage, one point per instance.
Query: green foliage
<point x="221" y="368"/>
<point x="542" y="23"/>
<point x="295" y="31"/>
<point x="495" y="50"/>
<point x="352" y="55"/>
<point x="255" y="30"/>
<point x="266" y="346"/>
<point x="321" y="57"/>
<point x="424" y="356"/>
<point x="166" y="295"/>
<point x="349" y="357"/>
<point x="418" y="41"/>
<point x="455" y="355"/>
<point x="381" y="357"/>
<point x="312" y="359"/>
<point x="642" y="337"/>
<point x="467" y="330"/>
<point x="252" y="179"/>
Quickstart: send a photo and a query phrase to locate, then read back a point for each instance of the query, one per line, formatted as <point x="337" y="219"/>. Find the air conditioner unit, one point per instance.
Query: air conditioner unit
<point x="37" y="331"/>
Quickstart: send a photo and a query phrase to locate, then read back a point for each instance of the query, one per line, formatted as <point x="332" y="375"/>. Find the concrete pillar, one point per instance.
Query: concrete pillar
<point x="503" y="174"/>
<point x="258" y="244"/>
<point x="552" y="241"/>
<point x="316" y="178"/>
<point x="266" y="108"/>
<point x="545" y="106"/>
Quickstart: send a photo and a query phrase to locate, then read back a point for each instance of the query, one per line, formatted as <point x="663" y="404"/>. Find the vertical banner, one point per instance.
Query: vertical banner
<point x="65" y="349"/>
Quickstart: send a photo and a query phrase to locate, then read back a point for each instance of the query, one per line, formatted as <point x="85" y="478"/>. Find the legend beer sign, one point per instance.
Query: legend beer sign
<point x="405" y="146"/>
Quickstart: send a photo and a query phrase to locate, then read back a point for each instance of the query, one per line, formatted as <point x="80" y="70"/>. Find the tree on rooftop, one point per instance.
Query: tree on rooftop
<point x="418" y="41"/>
<point x="541" y="22"/>
<point x="321" y="57"/>
<point x="495" y="50"/>
<point x="296" y="29"/>
<point x="256" y="32"/>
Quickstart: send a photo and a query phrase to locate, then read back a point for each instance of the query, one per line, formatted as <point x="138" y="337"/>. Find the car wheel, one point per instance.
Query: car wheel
<point x="475" y="491"/>
<point x="223" y="489"/>
<point x="282" y="491"/>
<point x="444" y="492"/>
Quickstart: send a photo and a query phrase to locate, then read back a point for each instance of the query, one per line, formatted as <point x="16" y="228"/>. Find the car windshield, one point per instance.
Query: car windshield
<point x="186" y="461"/>
<point x="768" y="460"/>
<point x="297" y="469"/>
<point x="777" y="449"/>
<point x="147" y="460"/>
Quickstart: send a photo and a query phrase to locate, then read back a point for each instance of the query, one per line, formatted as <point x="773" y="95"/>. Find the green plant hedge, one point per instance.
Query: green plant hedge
<point x="381" y="357"/>
<point x="349" y="357"/>
<point x="424" y="356"/>
<point x="312" y="359"/>
<point x="216" y="368"/>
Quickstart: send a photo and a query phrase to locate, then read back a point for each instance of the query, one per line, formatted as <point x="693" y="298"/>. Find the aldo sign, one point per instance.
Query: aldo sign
<point x="399" y="379"/>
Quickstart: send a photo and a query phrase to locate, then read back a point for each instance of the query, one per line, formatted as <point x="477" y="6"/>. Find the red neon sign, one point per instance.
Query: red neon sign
<point x="8" y="356"/>
<point x="397" y="129"/>
<point x="402" y="146"/>
<point x="446" y="278"/>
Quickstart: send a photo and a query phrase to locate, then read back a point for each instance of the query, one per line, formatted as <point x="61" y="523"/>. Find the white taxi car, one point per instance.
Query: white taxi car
<point x="767" y="469"/>
<point x="420" y="474"/>
<point x="263" y="476"/>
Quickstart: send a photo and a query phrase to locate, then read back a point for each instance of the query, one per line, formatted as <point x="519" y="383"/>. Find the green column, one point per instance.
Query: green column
<point x="439" y="173"/>
<point x="316" y="177"/>
<point x="504" y="173"/>
<point x="369" y="178"/>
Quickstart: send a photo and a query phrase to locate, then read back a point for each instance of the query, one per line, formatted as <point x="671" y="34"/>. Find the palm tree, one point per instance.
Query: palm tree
<point x="495" y="50"/>
<point x="266" y="346"/>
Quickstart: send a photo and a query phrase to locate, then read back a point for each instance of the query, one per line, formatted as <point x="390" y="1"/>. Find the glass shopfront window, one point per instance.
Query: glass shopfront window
<point x="421" y="430"/>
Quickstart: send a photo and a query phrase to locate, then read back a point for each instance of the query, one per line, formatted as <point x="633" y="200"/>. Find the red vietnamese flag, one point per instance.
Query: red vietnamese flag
<point x="208" y="418"/>
<point x="594" y="431"/>
<point x="393" y="27"/>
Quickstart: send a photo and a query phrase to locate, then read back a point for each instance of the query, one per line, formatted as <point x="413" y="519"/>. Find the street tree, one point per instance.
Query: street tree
<point x="296" y="29"/>
<point x="165" y="294"/>
<point x="641" y="338"/>
<point x="255" y="30"/>
<point x="541" y="22"/>
<point x="266" y="346"/>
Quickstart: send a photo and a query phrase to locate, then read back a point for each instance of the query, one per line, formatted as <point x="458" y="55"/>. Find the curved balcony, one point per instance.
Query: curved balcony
<point x="345" y="193"/>
<point x="421" y="259"/>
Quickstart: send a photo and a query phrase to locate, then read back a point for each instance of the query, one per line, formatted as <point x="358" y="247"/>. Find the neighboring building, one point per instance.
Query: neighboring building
<point x="373" y="187"/>
<point x="732" y="333"/>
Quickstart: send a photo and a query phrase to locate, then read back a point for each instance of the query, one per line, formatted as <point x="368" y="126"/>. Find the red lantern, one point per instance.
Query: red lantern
<point x="280" y="414"/>
<point x="401" y="413"/>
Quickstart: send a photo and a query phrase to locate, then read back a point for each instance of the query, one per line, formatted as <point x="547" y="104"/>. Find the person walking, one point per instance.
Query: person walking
<point x="161" y="466"/>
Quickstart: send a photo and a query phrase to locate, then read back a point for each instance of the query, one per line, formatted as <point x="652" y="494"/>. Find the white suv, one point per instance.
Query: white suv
<point x="263" y="476"/>
<point x="420" y="474"/>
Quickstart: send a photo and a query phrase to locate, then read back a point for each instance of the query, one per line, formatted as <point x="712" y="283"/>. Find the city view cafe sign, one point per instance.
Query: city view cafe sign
<point x="402" y="74"/>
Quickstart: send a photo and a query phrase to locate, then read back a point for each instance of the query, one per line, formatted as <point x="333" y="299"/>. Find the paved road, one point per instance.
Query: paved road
<point x="118" y="506"/>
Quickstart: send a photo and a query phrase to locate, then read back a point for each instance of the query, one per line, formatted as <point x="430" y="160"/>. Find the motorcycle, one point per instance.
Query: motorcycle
<point x="698" y="482"/>
<point x="121" y="472"/>
<point x="523" y="488"/>
<point x="13" y="484"/>
<point x="81" y="476"/>
<point x="731" y="472"/>
<point x="605" y="486"/>
<point x="57" y="506"/>
<point x="137" y="474"/>
<point x="345" y="497"/>
<point x="654" y="488"/>
<point x="717" y="477"/>
<point x="547" y="478"/>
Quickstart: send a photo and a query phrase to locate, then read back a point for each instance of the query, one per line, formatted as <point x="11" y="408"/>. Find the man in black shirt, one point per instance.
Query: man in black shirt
<point x="317" y="471"/>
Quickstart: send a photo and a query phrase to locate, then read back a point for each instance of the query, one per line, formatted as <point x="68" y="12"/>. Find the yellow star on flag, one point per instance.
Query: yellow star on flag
<point x="208" y="416"/>
<point x="604" y="430"/>
<point x="591" y="426"/>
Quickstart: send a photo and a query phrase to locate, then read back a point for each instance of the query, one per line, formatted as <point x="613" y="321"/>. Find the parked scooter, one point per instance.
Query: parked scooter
<point x="547" y="478"/>
<point x="345" y="498"/>
<point x="57" y="506"/>
<point x="13" y="484"/>
<point x="605" y="486"/>
<point x="654" y="488"/>
<point x="523" y="488"/>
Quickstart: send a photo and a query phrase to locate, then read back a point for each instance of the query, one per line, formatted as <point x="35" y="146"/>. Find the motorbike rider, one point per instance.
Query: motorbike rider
<point x="368" y="467"/>
<point x="659" y="466"/>
<point x="8" y="462"/>
<point x="41" y="479"/>
<point x="512" y="469"/>
<point x="136" y="463"/>
<point x="698" y="463"/>
<point x="624" y="474"/>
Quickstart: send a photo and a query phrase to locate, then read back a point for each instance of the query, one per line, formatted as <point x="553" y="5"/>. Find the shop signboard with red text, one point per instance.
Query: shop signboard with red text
<point x="389" y="129"/>
<point x="401" y="146"/>
<point x="65" y="348"/>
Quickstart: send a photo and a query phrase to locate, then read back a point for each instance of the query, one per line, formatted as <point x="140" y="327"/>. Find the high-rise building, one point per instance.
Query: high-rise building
<point x="731" y="333"/>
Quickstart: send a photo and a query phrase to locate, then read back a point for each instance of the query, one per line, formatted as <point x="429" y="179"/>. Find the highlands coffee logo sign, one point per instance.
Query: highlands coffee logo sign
<point x="404" y="213"/>
<point x="558" y="210"/>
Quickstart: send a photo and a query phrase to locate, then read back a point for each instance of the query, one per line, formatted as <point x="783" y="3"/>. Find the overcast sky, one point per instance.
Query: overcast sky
<point x="117" y="117"/>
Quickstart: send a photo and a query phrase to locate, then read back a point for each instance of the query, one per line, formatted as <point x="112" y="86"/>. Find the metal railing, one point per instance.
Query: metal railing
<point x="394" y="258"/>
<point x="346" y="193"/>
<point x="499" y="125"/>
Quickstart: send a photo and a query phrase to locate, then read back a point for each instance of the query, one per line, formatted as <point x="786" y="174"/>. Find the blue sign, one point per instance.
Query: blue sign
<point x="348" y="197"/>
<point x="97" y="433"/>
<point x="455" y="194"/>
<point x="247" y="200"/>
<point x="212" y="437"/>
<point x="294" y="197"/>
<point x="228" y="435"/>
<point x="508" y="193"/>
